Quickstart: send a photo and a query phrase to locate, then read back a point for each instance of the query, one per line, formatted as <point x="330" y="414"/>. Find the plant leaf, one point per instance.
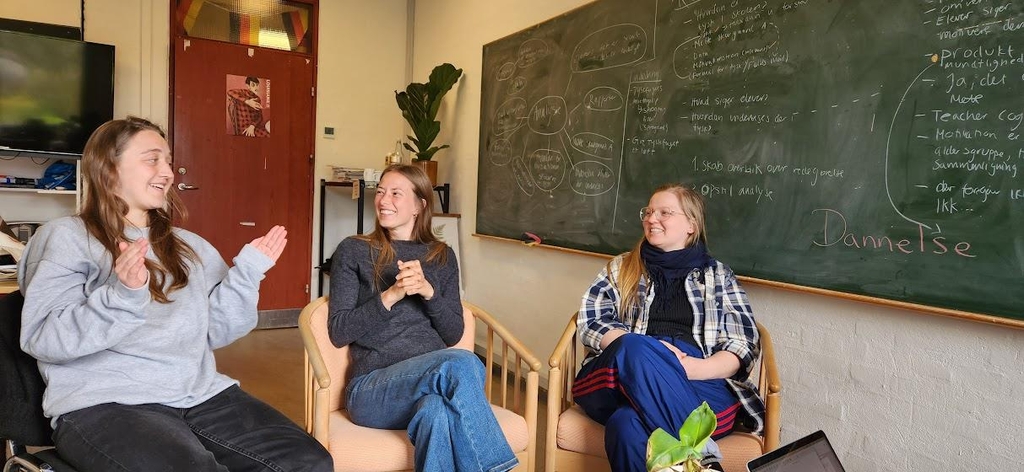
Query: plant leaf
<point x="698" y="427"/>
<point x="426" y="132"/>
<point x="442" y="79"/>
<point x="663" y="451"/>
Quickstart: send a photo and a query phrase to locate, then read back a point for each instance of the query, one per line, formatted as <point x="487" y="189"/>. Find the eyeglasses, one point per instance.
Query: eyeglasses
<point x="659" y="214"/>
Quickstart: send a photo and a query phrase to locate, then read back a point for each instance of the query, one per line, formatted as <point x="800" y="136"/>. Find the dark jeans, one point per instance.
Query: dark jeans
<point x="232" y="431"/>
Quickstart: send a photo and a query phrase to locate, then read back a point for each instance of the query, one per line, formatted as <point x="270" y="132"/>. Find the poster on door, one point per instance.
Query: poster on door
<point x="248" y="106"/>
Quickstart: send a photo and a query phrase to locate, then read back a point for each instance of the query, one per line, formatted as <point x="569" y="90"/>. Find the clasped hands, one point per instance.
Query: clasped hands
<point x="409" y="281"/>
<point x="130" y="266"/>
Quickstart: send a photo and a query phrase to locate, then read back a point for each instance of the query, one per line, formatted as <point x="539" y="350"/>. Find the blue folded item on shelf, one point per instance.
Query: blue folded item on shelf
<point x="58" y="176"/>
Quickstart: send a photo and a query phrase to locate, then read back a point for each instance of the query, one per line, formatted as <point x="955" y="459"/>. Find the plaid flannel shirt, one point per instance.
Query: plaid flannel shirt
<point x="722" y="322"/>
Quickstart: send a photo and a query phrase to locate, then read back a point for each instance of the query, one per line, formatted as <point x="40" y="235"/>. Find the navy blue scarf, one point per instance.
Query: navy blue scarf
<point x="672" y="266"/>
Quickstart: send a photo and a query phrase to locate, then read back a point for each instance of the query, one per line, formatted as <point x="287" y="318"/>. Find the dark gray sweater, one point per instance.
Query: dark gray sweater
<point x="414" y="326"/>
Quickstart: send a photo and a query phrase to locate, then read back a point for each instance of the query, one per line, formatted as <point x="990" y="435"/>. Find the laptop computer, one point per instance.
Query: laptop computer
<point x="811" y="453"/>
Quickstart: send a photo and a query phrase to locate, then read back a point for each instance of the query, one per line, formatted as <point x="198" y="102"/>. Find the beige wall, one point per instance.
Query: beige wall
<point x="895" y="390"/>
<point x="362" y="61"/>
<point x="57" y="12"/>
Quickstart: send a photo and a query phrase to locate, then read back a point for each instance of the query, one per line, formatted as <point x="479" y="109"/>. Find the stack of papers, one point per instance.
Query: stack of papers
<point x="8" y="272"/>
<point x="346" y="174"/>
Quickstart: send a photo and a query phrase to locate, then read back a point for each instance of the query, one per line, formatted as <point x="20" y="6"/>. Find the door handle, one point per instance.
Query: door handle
<point x="184" y="186"/>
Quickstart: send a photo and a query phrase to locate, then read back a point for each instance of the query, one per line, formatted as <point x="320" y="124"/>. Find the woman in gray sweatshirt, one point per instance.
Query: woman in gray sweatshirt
<point x="123" y="312"/>
<point x="395" y="302"/>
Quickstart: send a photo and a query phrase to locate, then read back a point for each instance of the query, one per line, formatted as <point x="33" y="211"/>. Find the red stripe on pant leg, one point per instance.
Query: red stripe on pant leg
<point x="726" y="419"/>
<point x="593" y="389"/>
<point x="610" y="381"/>
<point x="728" y="411"/>
<point x="595" y="379"/>
<point x="602" y="372"/>
<point x="599" y="375"/>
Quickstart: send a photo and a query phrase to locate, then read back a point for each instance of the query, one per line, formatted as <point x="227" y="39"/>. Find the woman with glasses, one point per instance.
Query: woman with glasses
<point x="667" y="327"/>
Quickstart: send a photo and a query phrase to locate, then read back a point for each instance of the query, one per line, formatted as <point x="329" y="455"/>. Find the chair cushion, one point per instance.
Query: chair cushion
<point x="357" y="448"/>
<point x="578" y="433"/>
<point x="738" y="449"/>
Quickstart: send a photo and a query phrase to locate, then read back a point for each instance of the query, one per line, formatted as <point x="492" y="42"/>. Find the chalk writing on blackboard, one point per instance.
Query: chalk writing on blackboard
<point x="869" y="147"/>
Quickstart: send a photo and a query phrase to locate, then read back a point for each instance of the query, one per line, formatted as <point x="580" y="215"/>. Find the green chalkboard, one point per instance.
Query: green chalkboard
<point x="870" y="147"/>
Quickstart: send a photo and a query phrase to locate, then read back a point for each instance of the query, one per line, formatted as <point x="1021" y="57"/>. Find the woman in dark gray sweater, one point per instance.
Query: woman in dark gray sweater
<point x="395" y="302"/>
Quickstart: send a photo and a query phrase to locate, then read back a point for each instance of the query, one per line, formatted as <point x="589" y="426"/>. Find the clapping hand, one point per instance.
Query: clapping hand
<point x="130" y="266"/>
<point x="272" y="244"/>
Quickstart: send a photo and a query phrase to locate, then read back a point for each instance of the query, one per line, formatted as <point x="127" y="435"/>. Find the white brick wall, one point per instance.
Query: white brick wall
<point x="897" y="390"/>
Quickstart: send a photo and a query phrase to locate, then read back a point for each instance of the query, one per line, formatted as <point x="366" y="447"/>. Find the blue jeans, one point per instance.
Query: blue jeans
<point x="438" y="397"/>
<point x="637" y="385"/>
<point x="232" y="431"/>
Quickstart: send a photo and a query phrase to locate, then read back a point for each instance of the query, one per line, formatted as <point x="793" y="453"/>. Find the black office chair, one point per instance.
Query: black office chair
<point x="22" y="423"/>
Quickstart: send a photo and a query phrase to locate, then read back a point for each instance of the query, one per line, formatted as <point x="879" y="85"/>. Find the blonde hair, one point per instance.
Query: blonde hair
<point x="380" y="238"/>
<point x="104" y="211"/>
<point x="632" y="267"/>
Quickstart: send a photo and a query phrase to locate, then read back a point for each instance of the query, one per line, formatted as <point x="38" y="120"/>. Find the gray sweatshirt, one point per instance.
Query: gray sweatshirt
<point x="98" y="341"/>
<point x="414" y="326"/>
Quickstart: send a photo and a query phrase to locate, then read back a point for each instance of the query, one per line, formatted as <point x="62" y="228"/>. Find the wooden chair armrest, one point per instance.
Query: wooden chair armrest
<point x="506" y="336"/>
<point x="770" y="385"/>
<point x="562" y="370"/>
<point x="526" y="405"/>
<point x="774" y="383"/>
<point x="315" y="357"/>
<point x="564" y="342"/>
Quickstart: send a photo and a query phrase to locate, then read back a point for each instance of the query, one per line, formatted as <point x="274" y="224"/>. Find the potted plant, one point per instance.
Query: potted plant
<point x="666" y="453"/>
<point x="419" y="104"/>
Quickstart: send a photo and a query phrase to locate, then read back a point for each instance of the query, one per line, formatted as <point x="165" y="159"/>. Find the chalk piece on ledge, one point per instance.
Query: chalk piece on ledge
<point x="530" y="239"/>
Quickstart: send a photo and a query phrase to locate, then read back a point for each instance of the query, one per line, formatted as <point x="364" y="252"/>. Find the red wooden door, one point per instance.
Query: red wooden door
<point x="236" y="187"/>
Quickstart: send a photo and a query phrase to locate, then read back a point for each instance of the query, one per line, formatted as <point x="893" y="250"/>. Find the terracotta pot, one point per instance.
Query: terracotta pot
<point x="430" y="167"/>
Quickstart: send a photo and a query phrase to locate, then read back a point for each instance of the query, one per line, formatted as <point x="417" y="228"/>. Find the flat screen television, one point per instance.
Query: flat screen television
<point x="53" y="92"/>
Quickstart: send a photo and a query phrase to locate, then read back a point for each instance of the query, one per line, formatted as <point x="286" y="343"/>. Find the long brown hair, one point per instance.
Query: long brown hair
<point x="104" y="212"/>
<point x="380" y="238"/>
<point x="633" y="268"/>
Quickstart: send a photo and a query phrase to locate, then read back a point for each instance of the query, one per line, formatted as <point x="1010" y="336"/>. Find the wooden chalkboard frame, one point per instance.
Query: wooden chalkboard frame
<point x="914" y="307"/>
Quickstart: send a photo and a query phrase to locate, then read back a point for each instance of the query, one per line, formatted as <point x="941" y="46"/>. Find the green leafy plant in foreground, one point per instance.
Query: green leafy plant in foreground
<point x="664" y="451"/>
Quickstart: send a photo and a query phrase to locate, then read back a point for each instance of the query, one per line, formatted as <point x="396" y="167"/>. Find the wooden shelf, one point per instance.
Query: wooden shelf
<point x="8" y="286"/>
<point x="37" y="190"/>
